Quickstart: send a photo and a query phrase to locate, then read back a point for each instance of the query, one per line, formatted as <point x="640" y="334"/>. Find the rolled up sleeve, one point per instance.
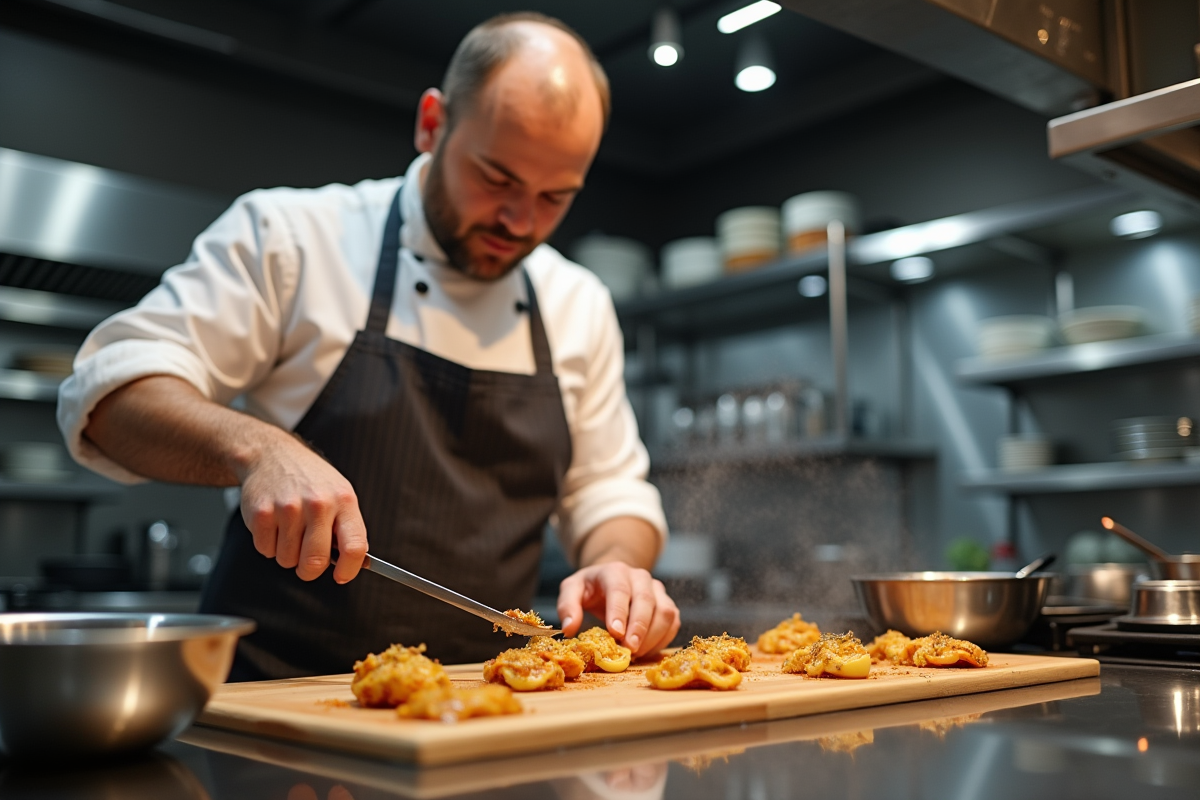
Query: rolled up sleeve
<point x="214" y="321"/>
<point x="607" y="477"/>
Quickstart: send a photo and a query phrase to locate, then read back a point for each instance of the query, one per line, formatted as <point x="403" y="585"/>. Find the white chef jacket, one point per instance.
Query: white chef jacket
<point x="275" y="290"/>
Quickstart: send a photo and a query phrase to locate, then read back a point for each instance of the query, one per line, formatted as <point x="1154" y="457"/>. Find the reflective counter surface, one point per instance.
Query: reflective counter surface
<point x="1131" y="733"/>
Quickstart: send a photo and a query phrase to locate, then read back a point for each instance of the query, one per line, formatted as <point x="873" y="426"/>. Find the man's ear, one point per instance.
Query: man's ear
<point x="431" y="121"/>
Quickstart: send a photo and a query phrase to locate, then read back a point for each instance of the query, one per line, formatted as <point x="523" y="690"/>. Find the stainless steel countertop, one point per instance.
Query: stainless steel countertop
<point x="1134" y="732"/>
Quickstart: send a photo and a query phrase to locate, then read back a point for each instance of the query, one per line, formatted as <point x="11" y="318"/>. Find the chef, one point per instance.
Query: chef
<point x="414" y="372"/>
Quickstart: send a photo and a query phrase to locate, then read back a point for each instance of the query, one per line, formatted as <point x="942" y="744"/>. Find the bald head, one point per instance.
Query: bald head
<point x="511" y="54"/>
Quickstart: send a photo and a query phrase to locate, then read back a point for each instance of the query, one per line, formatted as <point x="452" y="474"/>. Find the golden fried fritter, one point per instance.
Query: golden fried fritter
<point x="561" y="652"/>
<point x="449" y="704"/>
<point x="524" y="670"/>
<point x="789" y="635"/>
<point x="600" y="651"/>
<point x="691" y="669"/>
<point x="836" y="655"/>
<point x="528" y="617"/>
<point x="940" y="650"/>
<point x="892" y="646"/>
<point x="388" y="679"/>
<point x="733" y="650"/>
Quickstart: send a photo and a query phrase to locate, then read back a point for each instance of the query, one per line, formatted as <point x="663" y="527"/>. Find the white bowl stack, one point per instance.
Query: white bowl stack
<point x="1153" y="438"/>
<point x="623" y="265"/>
<point x="748" y="237"/>
<point x="691" y="261"/>
<point x="1014" y="336"/>
<point x="806" y="218"/>
<point x="1021" y="452"/>
<point x="1101" y="324"/>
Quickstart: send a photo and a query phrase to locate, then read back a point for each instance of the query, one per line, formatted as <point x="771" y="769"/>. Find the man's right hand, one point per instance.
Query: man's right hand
<point x="293" y="501"/>
<point x="296" y="504"/>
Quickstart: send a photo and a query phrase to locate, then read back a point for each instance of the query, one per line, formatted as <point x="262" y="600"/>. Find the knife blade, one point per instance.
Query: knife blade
<point x="439" y="592"/>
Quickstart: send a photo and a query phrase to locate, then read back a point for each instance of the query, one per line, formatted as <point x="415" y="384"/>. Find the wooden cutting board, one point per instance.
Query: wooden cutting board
<point x="322" y="711"/>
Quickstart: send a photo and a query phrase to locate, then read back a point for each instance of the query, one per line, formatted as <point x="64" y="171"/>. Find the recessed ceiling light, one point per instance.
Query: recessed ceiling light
<point x="913" y="269"/>
<point x="812" y="285"/>
<point x="1136" y="224"/>
<point x="665" y="46"/>
<point x="754" y="66"/>
<point x="748" y="15"/>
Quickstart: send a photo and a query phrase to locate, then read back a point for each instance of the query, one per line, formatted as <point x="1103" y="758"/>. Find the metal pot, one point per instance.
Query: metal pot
<point x="1173" y="605"/>
<point x="1185" y="567"/>
<point x="991" y="609"/>
<point x="1112" y="583"/>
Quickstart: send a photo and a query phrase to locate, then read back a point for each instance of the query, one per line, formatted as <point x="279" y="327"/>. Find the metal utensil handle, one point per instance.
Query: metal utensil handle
<point x="1039" y="563"/>
<point x="1147" y="547"/>
<point x="439" y="592"/>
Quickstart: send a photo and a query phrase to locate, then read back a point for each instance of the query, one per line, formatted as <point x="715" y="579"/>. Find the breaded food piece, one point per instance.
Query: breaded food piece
<point x="528" y="617"/>
<point x="789" y="636"/>
<point x="892" y="646"/>
<point x="563" y="653"/>
<point x="846" y="742"/>
<point x="388" y="679"/>
<point x="449" y="704"/>
<point x="733" y="650"/>
<point x="524" y="670"/>
<point x="939" y="650"/>
<point x="835" y="655"/>
<point x="691" y="669"/>
<point x="600" y="651"/>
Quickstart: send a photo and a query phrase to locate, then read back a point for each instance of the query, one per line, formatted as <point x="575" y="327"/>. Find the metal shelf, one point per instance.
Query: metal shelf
<point x="79" y="488"/>
<point x="1070" y="478"/>
<point x="16" y="384"/>
<point x="825" y="447"/>
<point x="1081" y="359"/>
<point x="55" y="310"/>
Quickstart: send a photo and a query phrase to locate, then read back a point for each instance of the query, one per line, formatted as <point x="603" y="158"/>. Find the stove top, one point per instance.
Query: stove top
<point x="1108" y="643"/>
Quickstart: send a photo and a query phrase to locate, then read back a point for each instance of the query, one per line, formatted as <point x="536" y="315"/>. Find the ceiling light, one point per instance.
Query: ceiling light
<point x="665" y="47"/>
<point x="812" y="285"/>
<point x="913" y="269"/>
<point x="755" y="12"/>
<point x="755" y="67"/>
<point x="1136" y="224"/>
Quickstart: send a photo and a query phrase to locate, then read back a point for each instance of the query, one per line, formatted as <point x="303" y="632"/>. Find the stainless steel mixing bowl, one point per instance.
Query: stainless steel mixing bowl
<point x="991" y="609"/>
<point x="96" y="684"/>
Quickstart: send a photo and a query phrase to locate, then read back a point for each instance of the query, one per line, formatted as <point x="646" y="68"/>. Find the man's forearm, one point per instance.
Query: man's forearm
<point x="162" y="428"/>
<point x="629" y="540"/>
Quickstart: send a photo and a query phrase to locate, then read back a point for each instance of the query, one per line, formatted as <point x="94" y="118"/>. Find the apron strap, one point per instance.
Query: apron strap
<point x="384" y="291"/>
<point x="537" y="331"/>
<point x="385" y="272"/>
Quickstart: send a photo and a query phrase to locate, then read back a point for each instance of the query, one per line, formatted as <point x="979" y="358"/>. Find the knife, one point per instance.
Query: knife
<point x="439" y="592"/>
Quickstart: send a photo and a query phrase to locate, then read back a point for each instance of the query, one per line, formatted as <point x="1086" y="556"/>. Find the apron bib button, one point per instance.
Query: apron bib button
<point x="421" y="287"/>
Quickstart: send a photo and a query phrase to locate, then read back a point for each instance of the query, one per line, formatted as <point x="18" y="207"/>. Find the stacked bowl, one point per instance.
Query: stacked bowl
<point x="690" y="262"/>
<point x="749" y="237"/>
<point x="1153" y="438"/>
<point x="1101" y="324"/>
<point x="1014" y="336"/>
<point x="806" y="218"/>
<point x="1022" y="452"/>
<point x="623" y="265"/>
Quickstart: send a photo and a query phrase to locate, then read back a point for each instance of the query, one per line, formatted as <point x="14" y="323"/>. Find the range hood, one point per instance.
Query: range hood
<point x="1117" y="78"/>
<point x="79" y="229"/>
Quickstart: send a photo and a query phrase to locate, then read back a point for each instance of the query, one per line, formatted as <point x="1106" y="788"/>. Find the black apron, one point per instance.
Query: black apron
<point x="456" y="472"/>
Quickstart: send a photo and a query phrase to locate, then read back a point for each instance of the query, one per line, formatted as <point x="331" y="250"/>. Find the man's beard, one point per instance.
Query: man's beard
<point x="444" y="223"/>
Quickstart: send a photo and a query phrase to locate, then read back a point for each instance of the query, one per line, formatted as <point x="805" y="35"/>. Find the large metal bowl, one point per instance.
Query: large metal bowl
<point x="991" y="609"/>
<point x="98" y="684"/>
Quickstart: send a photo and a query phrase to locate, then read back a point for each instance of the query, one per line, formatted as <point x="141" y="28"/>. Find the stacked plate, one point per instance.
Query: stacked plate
<point x="1194" y="317"/>
<point x="1024" y="452"/>
<point x="806" y="218"/>
<point x="748" y="237"/>
<point x="689" y="262"/>
<point x="1014" y="336"/>
<point x="623" y="265"/>
<point x="1153" y="438"/>
<point x="1101" y="324"/>
<point x="34" y="462"/>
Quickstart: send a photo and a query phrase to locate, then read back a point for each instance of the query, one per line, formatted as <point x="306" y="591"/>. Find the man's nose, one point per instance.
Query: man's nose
<point x="517" y="216"/>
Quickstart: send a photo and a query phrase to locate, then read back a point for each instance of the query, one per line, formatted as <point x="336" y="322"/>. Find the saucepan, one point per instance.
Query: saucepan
<point x="992" y="609"/>
<point x="1165" y="566"/>
<point x="98" y="684"/>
